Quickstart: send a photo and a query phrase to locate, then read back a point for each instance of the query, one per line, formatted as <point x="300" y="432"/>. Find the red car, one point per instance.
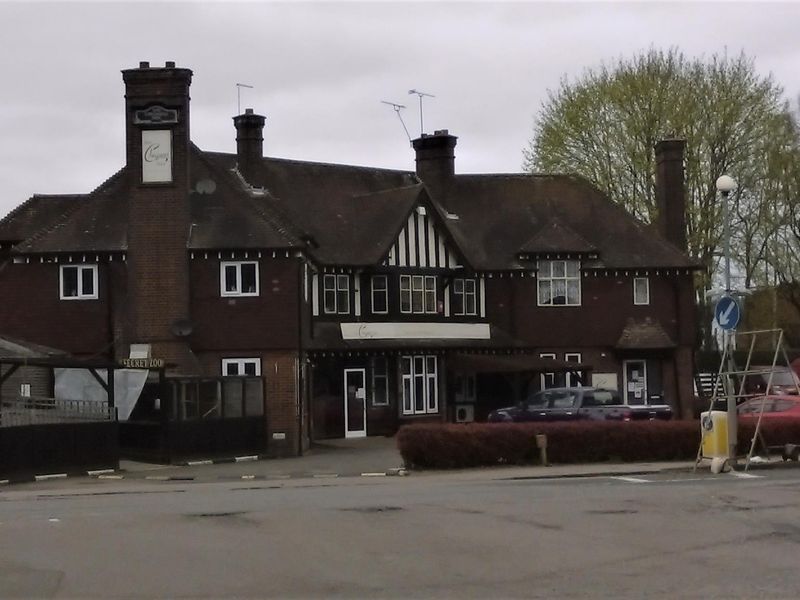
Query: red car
<point x="778" y="406"/>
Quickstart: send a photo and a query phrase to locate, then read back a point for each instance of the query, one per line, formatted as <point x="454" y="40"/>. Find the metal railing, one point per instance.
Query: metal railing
<point x="37" y="410"/>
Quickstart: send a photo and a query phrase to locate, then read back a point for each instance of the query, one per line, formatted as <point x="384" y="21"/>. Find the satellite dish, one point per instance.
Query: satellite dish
<point x="182" y="328"/>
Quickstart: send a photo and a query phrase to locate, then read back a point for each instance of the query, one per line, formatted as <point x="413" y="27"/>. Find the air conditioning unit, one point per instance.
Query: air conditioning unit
<point x="465" y="413"/>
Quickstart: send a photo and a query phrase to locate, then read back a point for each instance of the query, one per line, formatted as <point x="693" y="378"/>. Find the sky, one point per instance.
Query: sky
<point x="320" y="70"/>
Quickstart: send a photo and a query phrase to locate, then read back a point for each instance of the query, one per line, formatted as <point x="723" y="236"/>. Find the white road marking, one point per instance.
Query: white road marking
<point x="54" y="520"/>
<point x="632" y="479"/>
<point x="246" y="458"/>
<point x="100" y="472"/>
<point x="193" y="463"/>
<point x="746" y="475"/>
<point x="376" y="474"/>
<point x="52" y="476"/>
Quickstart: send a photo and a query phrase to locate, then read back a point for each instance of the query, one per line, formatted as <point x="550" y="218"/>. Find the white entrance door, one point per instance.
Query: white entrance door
<point x="355" y="403"/>
<point x="635" y="382"/>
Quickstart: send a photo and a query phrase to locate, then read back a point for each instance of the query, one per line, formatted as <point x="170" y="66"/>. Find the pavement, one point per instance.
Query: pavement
<point x="374" y="457"/>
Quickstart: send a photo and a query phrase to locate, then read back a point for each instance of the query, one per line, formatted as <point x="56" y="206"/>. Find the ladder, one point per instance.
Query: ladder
<point x="730" y="377"/>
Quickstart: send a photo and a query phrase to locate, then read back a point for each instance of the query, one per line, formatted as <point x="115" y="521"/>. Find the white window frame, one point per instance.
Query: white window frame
<point x="337" y="284"/>
<point x="571" y="357"/>
<point x="240" y="363"/>
<point x="429" y="374"/>
<point x="546" y="280"/>
<point x="80" y="268"/>
<point x="384" y="292"/>
<point x="544" y="376"/>
<point x="461" y="289"/>
<point x="423" y="287"/>
<point x="237" y="264"/>
<point x="25" y="390"/>
<point x="638" y="300"/>
<point x="375" y="376"/>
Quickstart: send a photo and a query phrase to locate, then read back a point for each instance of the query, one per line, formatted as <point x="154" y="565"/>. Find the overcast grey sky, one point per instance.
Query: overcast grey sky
<point x="320" y="70"/>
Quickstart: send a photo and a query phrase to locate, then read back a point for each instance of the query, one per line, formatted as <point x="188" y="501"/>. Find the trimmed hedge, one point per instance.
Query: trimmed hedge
<point x="486" y="444"/>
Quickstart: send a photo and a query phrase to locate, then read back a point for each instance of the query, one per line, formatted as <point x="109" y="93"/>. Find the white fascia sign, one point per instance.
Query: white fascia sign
<point x="156" y="156"/>
<point x="418" y="331"/>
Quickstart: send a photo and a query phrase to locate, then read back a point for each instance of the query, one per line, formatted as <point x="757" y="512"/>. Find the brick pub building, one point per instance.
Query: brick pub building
<point x="328" y="300"/>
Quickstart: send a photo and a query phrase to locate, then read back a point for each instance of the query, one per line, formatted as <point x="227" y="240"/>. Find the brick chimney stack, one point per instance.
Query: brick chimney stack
<point x="158" y="148"/>
<point x="671" y="191"/>
<point x="249" y="142"/>
<point x="436" y="159"/>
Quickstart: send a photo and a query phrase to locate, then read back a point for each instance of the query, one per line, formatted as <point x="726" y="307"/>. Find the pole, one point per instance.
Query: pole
<point x="728" y="338"/>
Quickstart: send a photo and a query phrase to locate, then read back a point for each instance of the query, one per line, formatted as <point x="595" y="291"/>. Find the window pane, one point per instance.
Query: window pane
<point x="343" y="301"/>
<point x="248" y="278"/>
<point x="458" y="286"/>
<point x="69" y="276"/>
<point x="407" y="395"/>
<point x="574" y="291"/>
<point x="559" y="268"/>
<point x="253" y="397"/>
<point x="544" y="292"/>
<point x="329" y="282"/>
<point x="417" y="300"/>
<point x="559" y="291"/>
<point x="469" y="286"/>
<point x="430" y="301"/>
<point x="431" y="366"/>
<point x="232" y="394"/>
<point x="470" y="308"/>
<point x="458" y="303"/>
<point x="432" y="401"/>
<point x="87" y="281"/>
<point x="343" y="282"/>
<point x="406" y="365"/>
<point x="231" y="368"/>
<point x="250" y="368"/>
<point x="330" y="301"/>
<point x="230" y="278"/>
<point x="572" y="268"/>
<point x="419" y="393"/>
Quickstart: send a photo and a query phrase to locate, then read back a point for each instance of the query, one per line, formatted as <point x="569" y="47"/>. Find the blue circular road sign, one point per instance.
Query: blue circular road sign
<point x="727" y="313"/>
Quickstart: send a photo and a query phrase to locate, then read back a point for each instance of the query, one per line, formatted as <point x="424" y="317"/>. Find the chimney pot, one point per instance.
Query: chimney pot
<point x="170" y="64"/>
<point x="248" y="111"/>
<point x="435" y="156"/>
<point x="144" y="65"/>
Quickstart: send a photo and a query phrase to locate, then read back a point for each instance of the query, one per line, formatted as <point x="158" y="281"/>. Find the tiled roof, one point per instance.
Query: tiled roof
<point x="347" y="215"/>
<point x="499" y="214"/>
<point x="644" y="335"/>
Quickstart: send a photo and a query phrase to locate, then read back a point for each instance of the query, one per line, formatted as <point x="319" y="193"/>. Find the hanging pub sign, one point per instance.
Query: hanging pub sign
<point x="156" y="156"/>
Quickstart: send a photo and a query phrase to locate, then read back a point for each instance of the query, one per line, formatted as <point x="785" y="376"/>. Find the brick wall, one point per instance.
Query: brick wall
<point x="33" y="311"/>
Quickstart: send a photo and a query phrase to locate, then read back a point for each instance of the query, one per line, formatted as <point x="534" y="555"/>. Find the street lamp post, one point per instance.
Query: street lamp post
<point x="725" y="185"/>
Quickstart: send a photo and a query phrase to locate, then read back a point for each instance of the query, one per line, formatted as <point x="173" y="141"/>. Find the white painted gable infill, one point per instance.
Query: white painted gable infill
<point x="422" y="244"/>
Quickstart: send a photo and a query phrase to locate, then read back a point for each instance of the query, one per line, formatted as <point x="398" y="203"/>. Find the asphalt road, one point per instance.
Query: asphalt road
<point x="671" y="535"/>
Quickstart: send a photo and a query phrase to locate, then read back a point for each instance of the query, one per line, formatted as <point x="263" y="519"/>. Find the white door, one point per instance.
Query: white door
<point x="355" y="403"/>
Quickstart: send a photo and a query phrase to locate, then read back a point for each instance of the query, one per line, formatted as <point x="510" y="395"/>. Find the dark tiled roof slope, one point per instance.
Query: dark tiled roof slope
<point x="37" y="212"/>
<point x="501" y="214"/>
<point x="350" y="214"/>
<point x="232" y="215"/>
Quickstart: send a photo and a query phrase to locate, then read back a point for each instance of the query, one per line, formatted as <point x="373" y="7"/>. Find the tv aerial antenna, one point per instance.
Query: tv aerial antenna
<point x="397" y="108"/>
<point x="239" y="87"/>
<point x="421" y="95"/>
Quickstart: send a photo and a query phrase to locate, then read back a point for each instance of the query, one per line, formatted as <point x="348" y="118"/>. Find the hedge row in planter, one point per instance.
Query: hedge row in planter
<point x="484" y="444"/>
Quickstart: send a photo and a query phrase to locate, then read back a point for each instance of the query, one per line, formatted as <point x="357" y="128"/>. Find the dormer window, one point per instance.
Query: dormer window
<point x="559" y="283"/>
<point x="78" y="282"/>
<point x="239" y="278"/>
